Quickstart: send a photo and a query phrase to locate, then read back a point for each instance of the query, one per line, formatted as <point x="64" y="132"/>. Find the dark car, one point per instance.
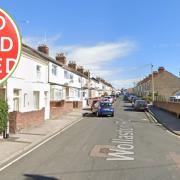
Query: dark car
<point x="103" y="108"/>
<point x="140" y="105"/>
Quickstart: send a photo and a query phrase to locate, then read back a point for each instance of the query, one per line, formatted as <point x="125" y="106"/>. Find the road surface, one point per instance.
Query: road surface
<point x="128" y="146"/>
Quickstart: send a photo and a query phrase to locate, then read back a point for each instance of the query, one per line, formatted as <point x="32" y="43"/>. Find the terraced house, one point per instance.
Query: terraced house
<point x="165" y="83"/>
<point x="43" y="88"/>
<point x="27" y="91"/>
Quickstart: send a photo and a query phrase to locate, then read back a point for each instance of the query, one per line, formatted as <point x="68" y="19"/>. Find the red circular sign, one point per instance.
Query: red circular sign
<point x="10" y="46"/>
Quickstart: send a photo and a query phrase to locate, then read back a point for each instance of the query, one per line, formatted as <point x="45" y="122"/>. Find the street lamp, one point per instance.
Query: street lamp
<point x="152" y="83"/>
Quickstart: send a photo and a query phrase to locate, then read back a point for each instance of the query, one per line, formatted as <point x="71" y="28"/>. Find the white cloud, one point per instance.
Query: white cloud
<point x="101" y="52"/>
<point x="93" y="57"/>
<point x="125" y="83"/>
<point x="34" y="41"/>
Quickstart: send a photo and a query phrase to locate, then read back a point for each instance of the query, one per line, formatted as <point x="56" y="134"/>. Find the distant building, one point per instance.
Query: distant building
<point x="166" y="84"/>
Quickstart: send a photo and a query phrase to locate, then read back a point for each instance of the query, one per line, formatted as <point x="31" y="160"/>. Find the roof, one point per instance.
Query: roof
<point x="41" y="55"/>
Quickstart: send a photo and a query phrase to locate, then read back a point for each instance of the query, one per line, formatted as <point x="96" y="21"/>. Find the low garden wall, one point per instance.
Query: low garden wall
<point x="169" y="106"/>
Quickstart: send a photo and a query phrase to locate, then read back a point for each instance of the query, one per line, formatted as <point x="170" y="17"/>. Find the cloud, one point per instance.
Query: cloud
<point x="94" y="57"/>
<point x="101" y="52"/>
<point x="34" y="41"/>
<point x="125" y="83"/>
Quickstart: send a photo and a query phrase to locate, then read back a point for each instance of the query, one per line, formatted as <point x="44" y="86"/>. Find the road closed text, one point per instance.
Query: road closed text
<point x="10" y="45"/>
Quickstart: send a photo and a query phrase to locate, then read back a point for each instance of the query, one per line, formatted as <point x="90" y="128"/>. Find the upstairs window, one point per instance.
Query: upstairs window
<point x="38" y="72"/>
<point x="54" y="70"/>
<point x="66" y="75"/>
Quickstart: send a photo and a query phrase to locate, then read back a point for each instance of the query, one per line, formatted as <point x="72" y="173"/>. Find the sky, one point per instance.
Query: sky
<point x="117" y="40"/>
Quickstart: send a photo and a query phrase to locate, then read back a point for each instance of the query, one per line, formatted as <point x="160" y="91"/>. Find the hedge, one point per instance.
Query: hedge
<point x="3" y="115"/>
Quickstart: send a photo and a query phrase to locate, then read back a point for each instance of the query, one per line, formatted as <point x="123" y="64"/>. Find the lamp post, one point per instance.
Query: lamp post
<point x="152" y="83"/>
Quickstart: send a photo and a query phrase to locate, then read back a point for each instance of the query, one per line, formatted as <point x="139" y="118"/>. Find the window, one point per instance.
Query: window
<point x="38" y="72"/>
<point x="84" y="94"/>
<point x="54" y="70"/>
<point x="79" y="79"/>
<point x="78" y="94"/>
<point x="66" y="75"/>
<point x="25" y="100"/>
<point x="36" y="99"/>
<point x="16" y="99"/>
<point x="71" y="76"/>
<point x="58" y="94"/>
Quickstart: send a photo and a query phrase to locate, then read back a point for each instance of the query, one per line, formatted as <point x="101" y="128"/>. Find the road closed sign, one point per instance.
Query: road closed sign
<point x="10" y="46"/>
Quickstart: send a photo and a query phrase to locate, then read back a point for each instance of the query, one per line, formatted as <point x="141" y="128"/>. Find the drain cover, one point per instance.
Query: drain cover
<point x="100" y="150"/>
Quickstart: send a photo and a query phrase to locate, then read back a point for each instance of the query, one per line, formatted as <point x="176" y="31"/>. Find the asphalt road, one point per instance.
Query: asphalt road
<point x="126" y="147"/>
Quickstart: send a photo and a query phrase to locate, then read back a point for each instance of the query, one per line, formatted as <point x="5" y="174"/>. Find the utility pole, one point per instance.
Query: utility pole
<point x="152" y="83"/>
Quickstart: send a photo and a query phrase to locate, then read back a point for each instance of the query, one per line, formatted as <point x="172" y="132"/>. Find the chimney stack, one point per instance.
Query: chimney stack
<point x="161" y="69"/>
<point x="80" y="69"/>
<point x="87" y="73"/>
<point x="155" y="73"/>
<point x="72" y="65"/>
<point x="60" y="58"/>
<point x="44" y="49"/>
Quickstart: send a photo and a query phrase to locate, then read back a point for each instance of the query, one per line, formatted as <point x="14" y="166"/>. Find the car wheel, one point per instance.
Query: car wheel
<point x="113" y="115"/>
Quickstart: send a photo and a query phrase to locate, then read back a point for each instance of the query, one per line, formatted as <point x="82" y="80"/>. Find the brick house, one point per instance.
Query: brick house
<point x="166" y="84"/>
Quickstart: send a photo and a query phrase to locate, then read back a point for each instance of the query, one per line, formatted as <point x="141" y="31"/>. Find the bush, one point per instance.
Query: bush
<point x="147" y="98"/>
<point x="3" y="115"/>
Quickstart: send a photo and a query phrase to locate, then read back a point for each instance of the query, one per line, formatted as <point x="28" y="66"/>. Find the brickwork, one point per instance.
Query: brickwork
<point x="169" y="106"/>
<point x="165" y="84"/>
<point x="22" y="120"/>
<point x="59" y="108"/>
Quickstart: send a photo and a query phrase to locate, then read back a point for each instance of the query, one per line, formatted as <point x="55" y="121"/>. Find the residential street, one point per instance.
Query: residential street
<point x="88" y="151"/>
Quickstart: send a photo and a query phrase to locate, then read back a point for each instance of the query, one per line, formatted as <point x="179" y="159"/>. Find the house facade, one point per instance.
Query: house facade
<point x="28" y="91"/>
<point x="165" y="84"/>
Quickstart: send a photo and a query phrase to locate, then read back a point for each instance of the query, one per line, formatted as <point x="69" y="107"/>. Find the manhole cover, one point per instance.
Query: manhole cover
<point x="100" y="150"/>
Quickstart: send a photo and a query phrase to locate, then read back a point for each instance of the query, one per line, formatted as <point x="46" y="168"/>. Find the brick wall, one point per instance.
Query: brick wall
<point x="166" y="84"/>
<point x="169" y="106"/>
<point x="59" y="108"/>
<point x="22" y="120"/>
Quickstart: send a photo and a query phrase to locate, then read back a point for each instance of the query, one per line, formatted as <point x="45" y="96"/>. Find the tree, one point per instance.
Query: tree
<point x="3" y="115"/>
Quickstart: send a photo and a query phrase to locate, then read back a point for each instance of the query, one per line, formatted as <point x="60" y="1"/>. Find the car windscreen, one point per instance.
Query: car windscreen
<point x="141" y="102"/>
<point x="105" y="104"/>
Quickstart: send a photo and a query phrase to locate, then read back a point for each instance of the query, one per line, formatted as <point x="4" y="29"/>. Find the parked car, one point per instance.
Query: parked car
<point x="109" y="98"/>
<point x="131" y="97"/>
<point x="134" y="100"/>
<point x="103" y="108"/>
<point x="140" y="105"/>
<point x="174" y="98"/>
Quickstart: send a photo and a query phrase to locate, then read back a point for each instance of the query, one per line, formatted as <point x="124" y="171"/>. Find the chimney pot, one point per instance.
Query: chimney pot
<point x="80" y="69"/>
<point x="44" y="49"/>
<point x="161" y="69"/>
<point x="61" y="58"/>
<point x="72" y="65"/>
<point x="87" y="73"/>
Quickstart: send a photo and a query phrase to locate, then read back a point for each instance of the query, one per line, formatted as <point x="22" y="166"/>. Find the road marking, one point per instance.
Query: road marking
<point x="123" y="143"/>
<point x="38" y="145"/>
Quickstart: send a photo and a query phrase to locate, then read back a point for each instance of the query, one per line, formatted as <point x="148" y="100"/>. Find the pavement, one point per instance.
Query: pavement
<point x="21" y="142"/>
<point x="167" y="119"/>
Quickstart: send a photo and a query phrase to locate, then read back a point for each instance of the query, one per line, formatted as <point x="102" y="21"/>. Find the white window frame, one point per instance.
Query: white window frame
<point x="54" y="70"/>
